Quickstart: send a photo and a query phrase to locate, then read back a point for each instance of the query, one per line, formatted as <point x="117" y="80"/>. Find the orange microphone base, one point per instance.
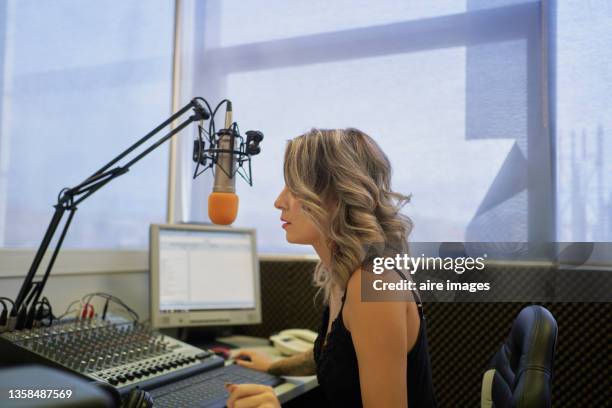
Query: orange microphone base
<point x="222" y="207"/>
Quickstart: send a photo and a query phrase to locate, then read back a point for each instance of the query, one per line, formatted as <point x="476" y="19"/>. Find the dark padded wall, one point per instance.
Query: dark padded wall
<point x="463" y="336"/>
<point x="287" y="298"/>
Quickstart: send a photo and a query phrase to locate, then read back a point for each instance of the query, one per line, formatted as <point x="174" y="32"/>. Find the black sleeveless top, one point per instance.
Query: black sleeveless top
<point x="338" y="372"/>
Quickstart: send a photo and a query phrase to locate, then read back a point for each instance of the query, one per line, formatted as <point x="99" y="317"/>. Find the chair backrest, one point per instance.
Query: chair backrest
<point x="520" y="374"/>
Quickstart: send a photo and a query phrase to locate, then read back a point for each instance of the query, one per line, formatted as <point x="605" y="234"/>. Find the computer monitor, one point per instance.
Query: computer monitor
<point x="203" y="276"/>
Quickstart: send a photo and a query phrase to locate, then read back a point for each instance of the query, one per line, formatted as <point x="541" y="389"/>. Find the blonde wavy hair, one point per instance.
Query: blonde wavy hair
<point x="343" y="181"/>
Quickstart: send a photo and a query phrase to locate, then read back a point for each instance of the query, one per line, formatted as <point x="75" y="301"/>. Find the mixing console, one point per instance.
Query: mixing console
<point x="119" y="352"/>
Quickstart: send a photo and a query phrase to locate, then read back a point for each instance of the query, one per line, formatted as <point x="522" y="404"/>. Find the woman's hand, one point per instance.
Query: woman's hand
<point x="251" y="396"/>
<point x="253" y="359"/>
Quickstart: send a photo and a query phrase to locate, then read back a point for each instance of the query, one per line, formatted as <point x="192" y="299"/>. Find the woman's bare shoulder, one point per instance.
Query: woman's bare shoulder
<point x="383" y="313"/>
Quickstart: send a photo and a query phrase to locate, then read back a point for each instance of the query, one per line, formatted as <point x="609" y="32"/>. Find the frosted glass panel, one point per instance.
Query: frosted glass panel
<point x="80" y="83"/>
<point x="450" y="90"/>
<point x="254" y="21"/>
<point x="418" y="119"/>
<point x="584" y="121"/>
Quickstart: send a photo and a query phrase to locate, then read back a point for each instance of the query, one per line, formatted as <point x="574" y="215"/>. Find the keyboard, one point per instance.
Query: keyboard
<point x="207" y="389"/>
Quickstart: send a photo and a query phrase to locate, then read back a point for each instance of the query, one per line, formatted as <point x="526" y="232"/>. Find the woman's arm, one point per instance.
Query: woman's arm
<point x="299" y="364"/>
<point x="261" y="396"/>
<point x="382" y="335"/>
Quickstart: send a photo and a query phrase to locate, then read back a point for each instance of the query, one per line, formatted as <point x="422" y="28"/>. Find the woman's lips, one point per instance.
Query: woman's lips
<point x="286" y="224"/>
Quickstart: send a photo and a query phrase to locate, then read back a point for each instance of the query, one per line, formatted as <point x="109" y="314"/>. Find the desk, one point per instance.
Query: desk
<point x="293" y="387"/>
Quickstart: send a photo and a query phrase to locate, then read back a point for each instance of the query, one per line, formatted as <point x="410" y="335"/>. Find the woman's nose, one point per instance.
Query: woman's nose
<point x="279" y="203"/>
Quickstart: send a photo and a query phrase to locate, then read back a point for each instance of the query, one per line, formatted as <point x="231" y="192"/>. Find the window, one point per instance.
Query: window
<point x="584" y="121"/>
<point x="79" y="85"/>
<point x="451" y="90"/>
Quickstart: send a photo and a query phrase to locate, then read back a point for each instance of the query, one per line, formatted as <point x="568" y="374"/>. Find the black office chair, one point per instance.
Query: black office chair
<point x="520" y="374"/>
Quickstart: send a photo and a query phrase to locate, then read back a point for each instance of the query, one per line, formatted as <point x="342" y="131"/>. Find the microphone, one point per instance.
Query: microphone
<point x="223" y="201"/>
<point x="230" y="154"/>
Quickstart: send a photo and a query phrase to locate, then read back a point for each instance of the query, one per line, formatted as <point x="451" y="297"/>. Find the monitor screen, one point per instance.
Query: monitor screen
<point x="203" y="275"/>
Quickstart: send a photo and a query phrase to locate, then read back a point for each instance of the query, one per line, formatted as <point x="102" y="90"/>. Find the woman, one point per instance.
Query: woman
<point x="338" y="199"/>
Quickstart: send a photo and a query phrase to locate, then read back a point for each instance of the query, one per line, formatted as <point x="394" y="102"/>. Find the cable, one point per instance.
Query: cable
<point x="212" y="115"/>
<point x="49" y="315"/>
<point x="3" y="315"/>
<point x="68" y="310"/>
<point x="205" y="102"/>
<point x="225" y="101"/>
<point x="120" y="311"/>
<point x="201" y="144"/>
<point x="84" y="308"/>
<point x="39" y="314"/>
<point x="211" y="128"/>
<point x="10" y="300"/>
<point x="105" y="309"/>
<point x="44" y="311"/>
<point x="211" y="123"/>
<point x="87" y="311"/>
<point x="212" y="131"/>
<point x="112" y="298"/>
<point x="65" y="314"/>
<point x="45" y="300"/>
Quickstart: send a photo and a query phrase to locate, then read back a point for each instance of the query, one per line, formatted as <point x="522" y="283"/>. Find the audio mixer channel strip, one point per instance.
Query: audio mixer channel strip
<point x="120" y="352"/>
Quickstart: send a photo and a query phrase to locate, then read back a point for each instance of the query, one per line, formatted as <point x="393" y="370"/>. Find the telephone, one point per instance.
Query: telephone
<point x="294" y="341"/>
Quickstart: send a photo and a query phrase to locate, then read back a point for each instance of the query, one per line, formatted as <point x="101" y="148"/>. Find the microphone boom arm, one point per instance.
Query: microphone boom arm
<point x="70" y="198"/>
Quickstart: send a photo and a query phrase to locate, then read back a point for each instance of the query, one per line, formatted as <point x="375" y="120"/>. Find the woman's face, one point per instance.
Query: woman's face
<point x="299" y="228"/>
